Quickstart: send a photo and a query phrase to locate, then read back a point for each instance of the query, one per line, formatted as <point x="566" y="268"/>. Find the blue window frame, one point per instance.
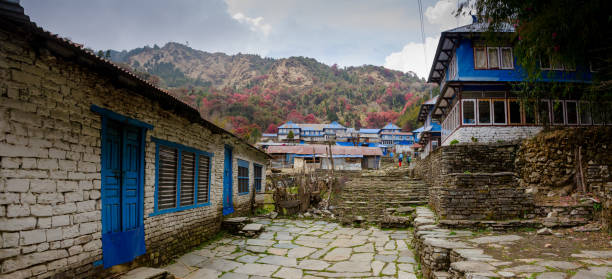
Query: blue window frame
<point x="182" y="177"/>
<point x="257" y="174"/>
<point x="243" y="177"/>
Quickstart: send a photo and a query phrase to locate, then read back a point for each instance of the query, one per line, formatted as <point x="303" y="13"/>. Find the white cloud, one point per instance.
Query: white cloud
<point x="410" y="58"/>
<point x="443" y="14"/>
<point x="255" y="24"/>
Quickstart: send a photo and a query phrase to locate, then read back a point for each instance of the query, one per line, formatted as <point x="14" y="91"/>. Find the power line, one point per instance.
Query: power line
<point x="423" y="32"/>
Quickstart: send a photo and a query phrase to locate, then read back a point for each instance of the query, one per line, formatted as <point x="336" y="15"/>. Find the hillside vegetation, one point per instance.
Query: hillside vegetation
<point x="248" y="94"/>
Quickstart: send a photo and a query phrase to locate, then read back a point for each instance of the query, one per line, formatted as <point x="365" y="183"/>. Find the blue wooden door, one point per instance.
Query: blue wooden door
<point x="228" y="206"/>
<point x="122" y="228"/>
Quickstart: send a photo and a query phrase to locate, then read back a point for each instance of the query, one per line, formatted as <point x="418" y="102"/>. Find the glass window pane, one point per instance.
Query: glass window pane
<point x="558" y="115"/>
<point x="544" y="112"/>
<point x="572" y="112"/>
<point x="468" y="112"/>
<point x="484" y="111"/>
<point x="530" y="112"/>
<point x="480" y="58"/>
<point x="515" y="112"/>
<point x="499" y="112"/>
<point x="493" y="58"/>
<point x="506" y="55"/>
<point x="585" y="113"/>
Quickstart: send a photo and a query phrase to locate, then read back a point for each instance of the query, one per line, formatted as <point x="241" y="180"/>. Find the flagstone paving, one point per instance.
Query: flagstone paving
<point x="303" y="249"/>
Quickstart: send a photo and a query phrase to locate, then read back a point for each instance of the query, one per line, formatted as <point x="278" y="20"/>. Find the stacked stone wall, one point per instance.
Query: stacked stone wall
<point x="480" y="196"/>
<point x="50" y="163"/>
<point x="547" y="163"/>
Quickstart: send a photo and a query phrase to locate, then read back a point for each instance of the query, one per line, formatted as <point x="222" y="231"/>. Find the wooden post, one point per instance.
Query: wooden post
<point x="331" y="180"/>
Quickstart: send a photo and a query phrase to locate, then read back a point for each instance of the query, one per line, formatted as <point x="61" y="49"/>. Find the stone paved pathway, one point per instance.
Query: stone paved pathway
<point x="303" y="249"/>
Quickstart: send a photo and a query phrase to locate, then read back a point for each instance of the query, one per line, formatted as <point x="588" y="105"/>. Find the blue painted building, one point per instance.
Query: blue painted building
<point x="428" y="136"/>
<point x="477" y="101"/>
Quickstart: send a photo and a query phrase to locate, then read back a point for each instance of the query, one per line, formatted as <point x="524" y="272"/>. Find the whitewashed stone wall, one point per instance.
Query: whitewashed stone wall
<point x="487" y="134"/>
<point x="50" y="201"/>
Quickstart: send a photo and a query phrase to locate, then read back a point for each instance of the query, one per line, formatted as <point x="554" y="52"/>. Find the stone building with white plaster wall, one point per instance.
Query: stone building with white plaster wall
<point x="99" y="168"/>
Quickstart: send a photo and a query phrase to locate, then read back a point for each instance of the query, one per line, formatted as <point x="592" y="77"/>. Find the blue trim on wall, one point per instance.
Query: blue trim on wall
<point x="467" y="72"/>
<point x="255" y="178"/>
<point x="180" y="148"/>
<point x="120" y="118"/>
<point x="244" y="164"/>
<point x="133" y="238"/>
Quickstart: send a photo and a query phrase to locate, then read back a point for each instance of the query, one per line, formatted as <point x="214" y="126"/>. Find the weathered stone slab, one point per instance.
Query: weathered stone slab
<point x="495" y="239"/>
<point x="289" y="273"/>
<point x="338" y="254"/>
<point x="552" y="275"/>
<point x="526" y="269"/>
<point x="313" y="265"/>
<point x="348" y="266"/>
<point x="559" y="264"/>
<point x="278" y="260"/>
<point x="261" y="242"/>
<point x="257" y="269"/>
<point x="472" y="266"/>
<point x="300" y="252"/>
<point x="204" y="273"/>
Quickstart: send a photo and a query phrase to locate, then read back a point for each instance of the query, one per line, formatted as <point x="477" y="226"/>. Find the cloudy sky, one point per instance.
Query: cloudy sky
<point x="346" y="32"/>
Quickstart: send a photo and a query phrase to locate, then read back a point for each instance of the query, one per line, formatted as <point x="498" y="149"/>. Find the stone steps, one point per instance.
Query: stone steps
<point x="370" y="196"/>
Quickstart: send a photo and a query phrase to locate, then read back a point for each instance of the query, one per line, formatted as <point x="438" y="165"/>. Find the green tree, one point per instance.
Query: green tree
<point x="566" y="31"/>
<point x="290" y="135"/>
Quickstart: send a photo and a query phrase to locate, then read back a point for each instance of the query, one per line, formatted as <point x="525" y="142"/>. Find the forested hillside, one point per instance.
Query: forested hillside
<point x="249" y="95"/>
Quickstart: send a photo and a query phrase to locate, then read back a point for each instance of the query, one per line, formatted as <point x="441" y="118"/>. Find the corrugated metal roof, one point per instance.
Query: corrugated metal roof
<point x="390" y="126"/>
<point x="369" y="131"/>
<point x="322" y="149"/>
<point x="76" y="53"/>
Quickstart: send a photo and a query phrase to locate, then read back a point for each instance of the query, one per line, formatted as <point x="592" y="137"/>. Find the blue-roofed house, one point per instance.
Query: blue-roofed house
<point x="477" y="100"/>
<point x="428" y="136"/>
<point x="390" y="128"/>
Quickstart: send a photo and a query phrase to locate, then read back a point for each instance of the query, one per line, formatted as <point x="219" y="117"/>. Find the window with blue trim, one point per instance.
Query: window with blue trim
<point x="243" y="177"/>
<point x="258" y="171"/>
<point x="182" y="177"/>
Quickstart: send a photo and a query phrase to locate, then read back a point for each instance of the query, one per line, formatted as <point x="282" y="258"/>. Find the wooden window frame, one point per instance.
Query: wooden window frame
<point x="243" y="164"/>
<point x="501" y="58"/>
<point x="580" y="121"/>
<point x="486" y="60"/>
<point x="475" y="112"/>
<point x="498" y="59"/>
<point x="493" y="100"/>
<point x="552" y="112"/>
<point x="521" y="112"/>
<point x="180" y="148"/>
<point x="577" y="113"/>
<point x="538" y="113"/>
<point x="478" y="112"/>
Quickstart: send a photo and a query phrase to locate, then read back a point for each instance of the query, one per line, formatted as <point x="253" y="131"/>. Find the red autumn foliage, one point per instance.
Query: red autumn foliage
<point x="380" y="119"/>
<point x="272" y="128"/>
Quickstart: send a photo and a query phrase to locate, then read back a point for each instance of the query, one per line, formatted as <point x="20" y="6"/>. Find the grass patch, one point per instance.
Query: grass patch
<point x="452" y="233"/>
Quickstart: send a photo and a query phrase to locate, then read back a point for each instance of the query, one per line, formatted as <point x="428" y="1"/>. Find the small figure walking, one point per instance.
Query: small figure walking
<point x="401" y="156"/>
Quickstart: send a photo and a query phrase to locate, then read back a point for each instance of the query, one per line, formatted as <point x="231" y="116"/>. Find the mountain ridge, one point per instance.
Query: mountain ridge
<point x="249" y="94"/>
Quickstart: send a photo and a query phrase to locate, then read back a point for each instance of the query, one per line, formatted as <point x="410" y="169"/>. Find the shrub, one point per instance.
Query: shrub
<point x="453" y="142"/>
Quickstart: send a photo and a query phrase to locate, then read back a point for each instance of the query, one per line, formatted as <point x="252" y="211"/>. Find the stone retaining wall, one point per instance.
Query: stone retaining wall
<point x="465" y="157"/>
<point x="548" y="164"/>
<point x="480" y="196"/>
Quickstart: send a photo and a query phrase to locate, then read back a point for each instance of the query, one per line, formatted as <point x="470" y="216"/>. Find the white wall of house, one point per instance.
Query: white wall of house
<point x="488" y="134"/>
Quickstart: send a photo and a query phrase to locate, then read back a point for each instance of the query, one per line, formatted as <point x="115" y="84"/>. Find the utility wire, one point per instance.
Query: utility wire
<point x="422" y="32"/>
